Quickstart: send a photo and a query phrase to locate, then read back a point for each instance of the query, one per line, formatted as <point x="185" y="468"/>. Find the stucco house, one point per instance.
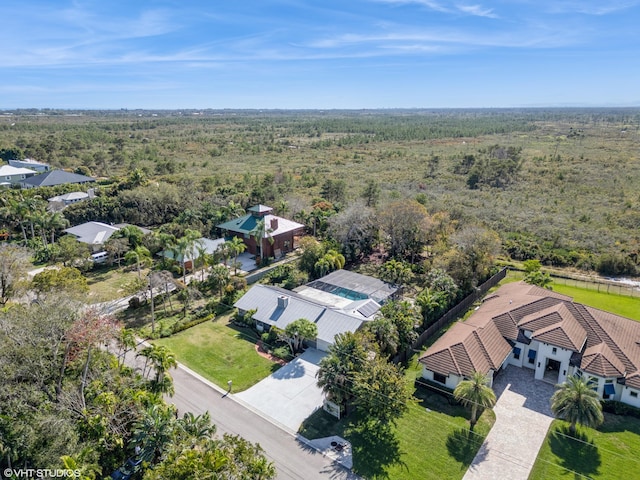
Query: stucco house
<point x="279" y="237"/>
<point x="531" y="327"/>
<point x="10" y="175"/>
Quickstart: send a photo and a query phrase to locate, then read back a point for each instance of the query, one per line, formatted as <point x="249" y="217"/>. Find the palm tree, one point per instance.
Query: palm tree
<point x="153" y="432"/>
<point x="186" y="247"/>
<point x="219" y="277"/>
<point x="576" y="402"/>
<point x="476" y="393"/>
<point x="139" y="255"/>
<point x="236" y="247"/>
<point x="259" y="232"/>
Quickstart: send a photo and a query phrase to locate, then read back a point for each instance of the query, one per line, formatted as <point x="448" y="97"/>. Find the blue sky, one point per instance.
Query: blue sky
<point x="319" y="54"/>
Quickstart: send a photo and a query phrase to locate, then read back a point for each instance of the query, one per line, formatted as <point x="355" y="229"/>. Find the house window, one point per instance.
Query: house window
<point x="516" y="352"/>
<point x="609" y="391"/>
<point x="439" y="378"/>
<point x="554" y="350"/>
<point x="633" y="394"/>
<point x="532" y="356"/>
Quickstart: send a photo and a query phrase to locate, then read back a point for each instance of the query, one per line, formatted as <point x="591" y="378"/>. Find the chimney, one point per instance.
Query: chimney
<point x="283" y="301"/>
<point x="274" y="224"/>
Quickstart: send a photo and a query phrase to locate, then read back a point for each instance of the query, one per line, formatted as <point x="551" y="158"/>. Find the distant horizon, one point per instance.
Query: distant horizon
<point x="276" y="109"/>
<point x="309" y="55"/>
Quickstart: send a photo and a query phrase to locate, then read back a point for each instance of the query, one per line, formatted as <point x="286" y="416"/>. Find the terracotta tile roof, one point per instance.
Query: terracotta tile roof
<point x="633" y="381"/>
<point x="605" y="344"/>
<point x="465" y="349"/>
<point x="556" y="325"/>
<point x="601" y="361"/>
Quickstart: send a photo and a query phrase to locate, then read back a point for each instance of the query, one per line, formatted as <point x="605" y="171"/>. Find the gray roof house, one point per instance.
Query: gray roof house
<point x="10" y="175"/>
<point x="31" y="164"/>
<point x="279" y="307"/>
<point x="71" y="197"/>
<point x="55" y="177"/>
<point x="94" y="234"/>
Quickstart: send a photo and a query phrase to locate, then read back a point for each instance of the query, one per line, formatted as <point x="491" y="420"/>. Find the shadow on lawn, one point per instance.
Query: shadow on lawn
<point x="576" y="452"/>
<point x="374" y="449"/>
<point x="463" y="445"/>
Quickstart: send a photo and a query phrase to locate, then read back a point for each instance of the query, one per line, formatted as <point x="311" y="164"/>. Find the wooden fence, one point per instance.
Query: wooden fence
<point x="451" y="315"/>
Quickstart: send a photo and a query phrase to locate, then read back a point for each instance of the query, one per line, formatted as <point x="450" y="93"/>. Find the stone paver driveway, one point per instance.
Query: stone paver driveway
<point x="523" y="418"/>
<point x="289" y="395"/>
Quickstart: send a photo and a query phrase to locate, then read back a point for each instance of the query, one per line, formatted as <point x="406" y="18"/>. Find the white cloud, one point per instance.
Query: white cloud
<point x="477" y="11"/>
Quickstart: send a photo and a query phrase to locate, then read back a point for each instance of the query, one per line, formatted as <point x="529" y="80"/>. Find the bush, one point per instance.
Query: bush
<point x="619" y="408"/>
<point x="182" y="325"/>
<point x="282" y="352"/>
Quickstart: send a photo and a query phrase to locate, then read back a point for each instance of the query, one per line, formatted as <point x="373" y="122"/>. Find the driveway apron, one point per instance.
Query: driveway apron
<point x="523" y="417"/>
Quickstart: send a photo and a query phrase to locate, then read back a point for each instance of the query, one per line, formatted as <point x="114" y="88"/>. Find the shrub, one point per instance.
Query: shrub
<point x="282" y="352"/>
<point x="182" y="325"/>
<point x="619" y="408"/>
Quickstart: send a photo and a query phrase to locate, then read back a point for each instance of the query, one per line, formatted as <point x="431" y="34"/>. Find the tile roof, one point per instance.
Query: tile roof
<point x="605" y="344"/>
<point x="465" y="349"/>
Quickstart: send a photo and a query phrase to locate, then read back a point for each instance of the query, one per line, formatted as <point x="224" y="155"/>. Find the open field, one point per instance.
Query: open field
<point x="220" y="352"/>
<point x="106" y="284"/>
<point x="573" y="192"/>
<point x="431" y="440"/>
<point x="608" y="453"/>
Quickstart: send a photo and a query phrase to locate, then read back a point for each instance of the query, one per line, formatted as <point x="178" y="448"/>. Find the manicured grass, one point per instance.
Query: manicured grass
<point x="432" y="440"/>
<point x="610" y="452"/>
<point x="622" y="305"/>
<point x="609" y="302"/>
<point x="220" y="352"/>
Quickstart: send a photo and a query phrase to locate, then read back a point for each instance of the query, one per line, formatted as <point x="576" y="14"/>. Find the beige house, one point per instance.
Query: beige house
<point x="531" y="327"/>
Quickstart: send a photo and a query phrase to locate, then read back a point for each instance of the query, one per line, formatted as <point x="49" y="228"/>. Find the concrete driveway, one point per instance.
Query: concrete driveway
<point x="523" y="416"/>
<point x="289" y="395"/>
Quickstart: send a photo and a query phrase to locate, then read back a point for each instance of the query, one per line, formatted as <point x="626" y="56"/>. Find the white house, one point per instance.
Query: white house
<point x="530" y="327"/>
<point x="10" y="175"/>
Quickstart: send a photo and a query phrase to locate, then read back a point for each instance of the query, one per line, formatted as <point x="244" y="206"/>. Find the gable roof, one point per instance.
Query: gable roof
<point x="606" y="345"/>
<point x="279" y="307"/>
<point x="362" y="286"/>
<point x="56" y="177"/>
<point x="93" y="233"/>
<point x="8" y="171"/>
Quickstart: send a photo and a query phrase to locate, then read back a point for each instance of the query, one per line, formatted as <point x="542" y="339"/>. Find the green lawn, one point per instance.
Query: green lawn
<point x="622" y="305"/>
<point x="220" y="352"/>
<point x="609" y="302"/>
<point x="608" y="453"/>
<point x="431" y="440"/>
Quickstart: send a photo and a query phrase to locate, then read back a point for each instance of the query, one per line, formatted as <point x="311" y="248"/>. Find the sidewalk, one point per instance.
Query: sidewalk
<point x="523" y="418"/>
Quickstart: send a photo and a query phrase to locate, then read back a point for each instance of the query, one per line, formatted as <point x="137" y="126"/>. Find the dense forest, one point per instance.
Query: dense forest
<point x="556" y="185"/>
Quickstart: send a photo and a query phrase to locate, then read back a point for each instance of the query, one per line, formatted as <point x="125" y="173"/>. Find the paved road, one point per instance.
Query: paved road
<point x="294" y="460"/>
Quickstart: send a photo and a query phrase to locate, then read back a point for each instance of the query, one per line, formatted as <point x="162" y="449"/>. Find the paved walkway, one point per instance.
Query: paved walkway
<point x="289" y="395"/>
<point x="523" y="418"/>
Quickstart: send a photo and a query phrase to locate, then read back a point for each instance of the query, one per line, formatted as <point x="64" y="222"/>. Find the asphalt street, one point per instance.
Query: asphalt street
<point x="294" y="459"/>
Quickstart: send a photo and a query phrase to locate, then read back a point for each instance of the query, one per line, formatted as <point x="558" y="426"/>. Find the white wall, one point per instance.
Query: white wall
<point x="561" y="355"/>
<point x="626" y="397"/>
<point x="452" y="380"/>
<point x="518" y="362"/>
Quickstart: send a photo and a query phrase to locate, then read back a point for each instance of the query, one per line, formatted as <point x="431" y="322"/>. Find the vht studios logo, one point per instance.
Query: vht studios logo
<point x="41" y="473"/>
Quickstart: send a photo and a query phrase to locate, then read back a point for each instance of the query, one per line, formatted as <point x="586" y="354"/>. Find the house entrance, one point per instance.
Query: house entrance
<point x="552" y="370"/>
